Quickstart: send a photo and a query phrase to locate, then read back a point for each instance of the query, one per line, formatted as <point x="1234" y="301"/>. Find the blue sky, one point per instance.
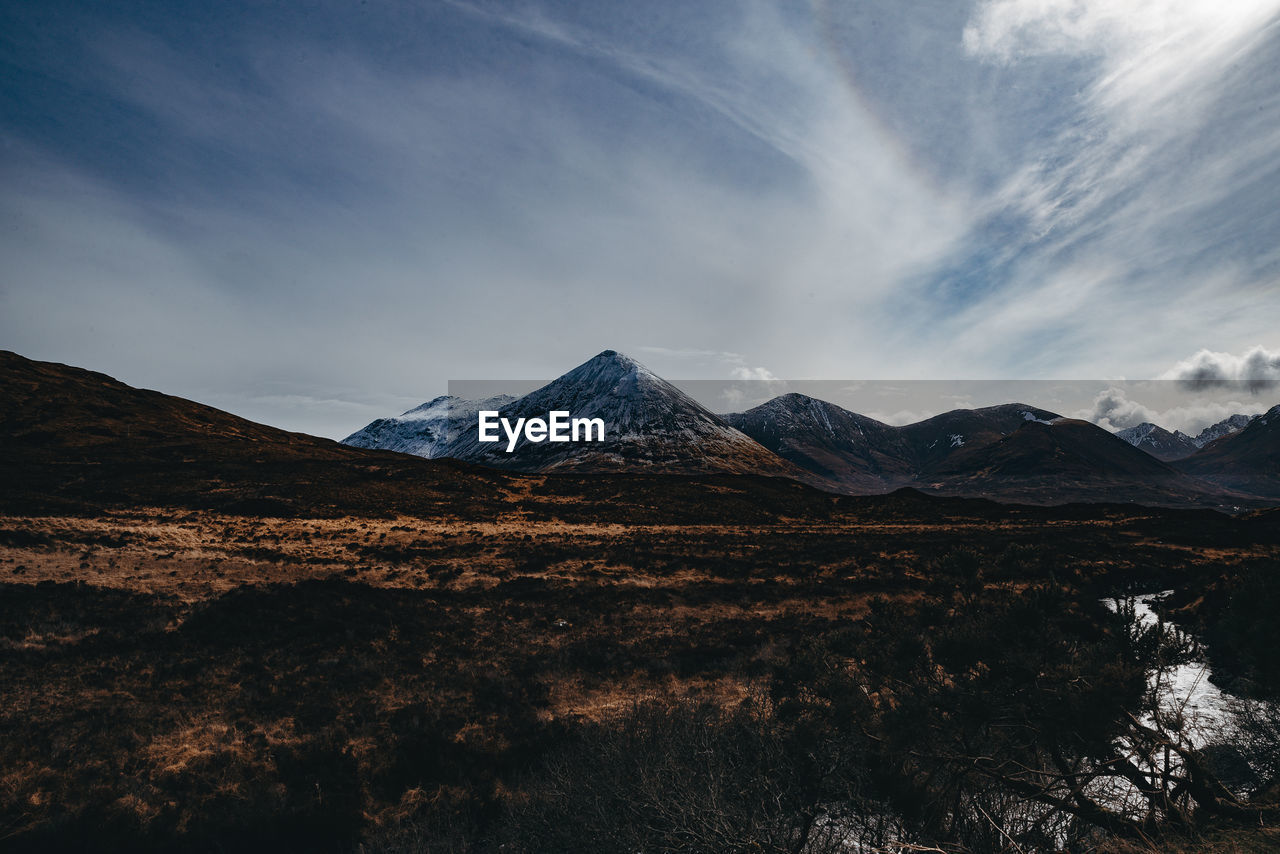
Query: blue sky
<point x="313" y="214"/>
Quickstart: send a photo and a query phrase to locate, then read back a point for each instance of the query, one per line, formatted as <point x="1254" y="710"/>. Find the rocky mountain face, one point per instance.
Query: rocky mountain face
<point x="843" y="448"/>
<point x="1247" y="460"/>
<point x="1225" y="427"/>
<point x="1159" y="442"/>
<point x="70" y="436"/>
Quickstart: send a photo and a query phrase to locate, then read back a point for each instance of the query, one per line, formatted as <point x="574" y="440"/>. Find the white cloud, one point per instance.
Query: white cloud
<point x="760" y="374"/>
<point x="1255" y="369"/>
<point x="1144" y="202"/>
<point x="1152" y="49"/>
<point x="1114" y="410"/>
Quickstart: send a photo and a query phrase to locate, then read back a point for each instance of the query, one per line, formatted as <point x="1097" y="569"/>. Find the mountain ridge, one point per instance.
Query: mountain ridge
<point x="982" y="451"/>
<point x="78" y="434"/>
<point x="839" y="446"/>
<point x="1247" y="459"/>
<point x="1159" y="442"/>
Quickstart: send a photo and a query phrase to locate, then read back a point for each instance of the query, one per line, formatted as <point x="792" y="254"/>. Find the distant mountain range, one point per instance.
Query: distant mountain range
<point x="1247" y="460"/>
<point x="1163" y="445"/>
<point x="1009" y="452"/>
<point x="77" y="442"/>
<point x="71" y="438"/>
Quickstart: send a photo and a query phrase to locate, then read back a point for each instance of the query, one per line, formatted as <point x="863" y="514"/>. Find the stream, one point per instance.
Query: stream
<point x="1206" y="711"/>
<point x="1204" y="705"/>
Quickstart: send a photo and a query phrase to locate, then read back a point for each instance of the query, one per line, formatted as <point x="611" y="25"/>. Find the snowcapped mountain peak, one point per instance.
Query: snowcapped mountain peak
<point x="843" y="447"/>
<point x="1158" y="442"/>
<point x="794" y="401"/>
<point x="612" y="360"/>
<point x="610" y="366"/>
<point x="638" y="407"/>
<point x="431" y="406"/>
<point x="793" y="404"/>
<point x="649" y="424"/>
<point x="1225" y="427"/>
<point x="615" y="384"/>
<point x="599" y="384"/>
<point x="442" y="406"/>
<point x="1139" y="431"/>
<point x="428" y="430"/>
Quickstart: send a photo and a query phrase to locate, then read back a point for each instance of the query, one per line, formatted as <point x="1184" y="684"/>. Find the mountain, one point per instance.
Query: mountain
<point x="1066" y="460"/>
<point x="1225" y="427"/>
<point x="1159" y="442"/>
<point x="76" y="441"/>
<point x="846" y="450"/>
<point x="933" y="440"/>
<point x="54" y="412"/>
<point x="73" y="440"/>
<point x="1012" y="452"/>
<point x="650" y="425"/>
<point x="1246" y="460"/>
<point x="427" y="430"/>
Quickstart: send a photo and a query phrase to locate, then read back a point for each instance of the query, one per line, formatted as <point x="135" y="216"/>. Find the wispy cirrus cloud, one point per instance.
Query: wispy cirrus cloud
<point x="1148" y="200"/>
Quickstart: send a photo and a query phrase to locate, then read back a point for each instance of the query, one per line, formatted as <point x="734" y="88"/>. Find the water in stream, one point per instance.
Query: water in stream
<point x="1186" y="693"/>
<point x="1187" y="687"/>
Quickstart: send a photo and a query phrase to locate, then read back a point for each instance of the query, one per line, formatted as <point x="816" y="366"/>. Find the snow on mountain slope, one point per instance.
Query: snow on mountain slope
<point x="427" y="430"/>
<point x="1159" y="442"/>
<point x="1225" y="427"/>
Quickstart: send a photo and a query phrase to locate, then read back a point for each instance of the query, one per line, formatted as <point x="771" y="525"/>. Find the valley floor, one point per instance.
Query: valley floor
<point x="205" y="679"/>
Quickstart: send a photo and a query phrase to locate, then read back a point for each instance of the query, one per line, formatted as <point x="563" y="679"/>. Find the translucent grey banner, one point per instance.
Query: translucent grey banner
<point x="1180" y="405"/>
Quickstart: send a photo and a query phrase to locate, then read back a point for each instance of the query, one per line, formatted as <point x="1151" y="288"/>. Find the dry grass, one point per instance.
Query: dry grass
<point x="208" y="677"/>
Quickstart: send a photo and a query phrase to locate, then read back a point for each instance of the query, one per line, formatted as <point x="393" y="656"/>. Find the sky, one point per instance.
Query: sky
<point x="318" y="213"/>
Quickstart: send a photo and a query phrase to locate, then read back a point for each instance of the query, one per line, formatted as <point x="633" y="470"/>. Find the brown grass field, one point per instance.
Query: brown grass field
<point x="190" y="675"/>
